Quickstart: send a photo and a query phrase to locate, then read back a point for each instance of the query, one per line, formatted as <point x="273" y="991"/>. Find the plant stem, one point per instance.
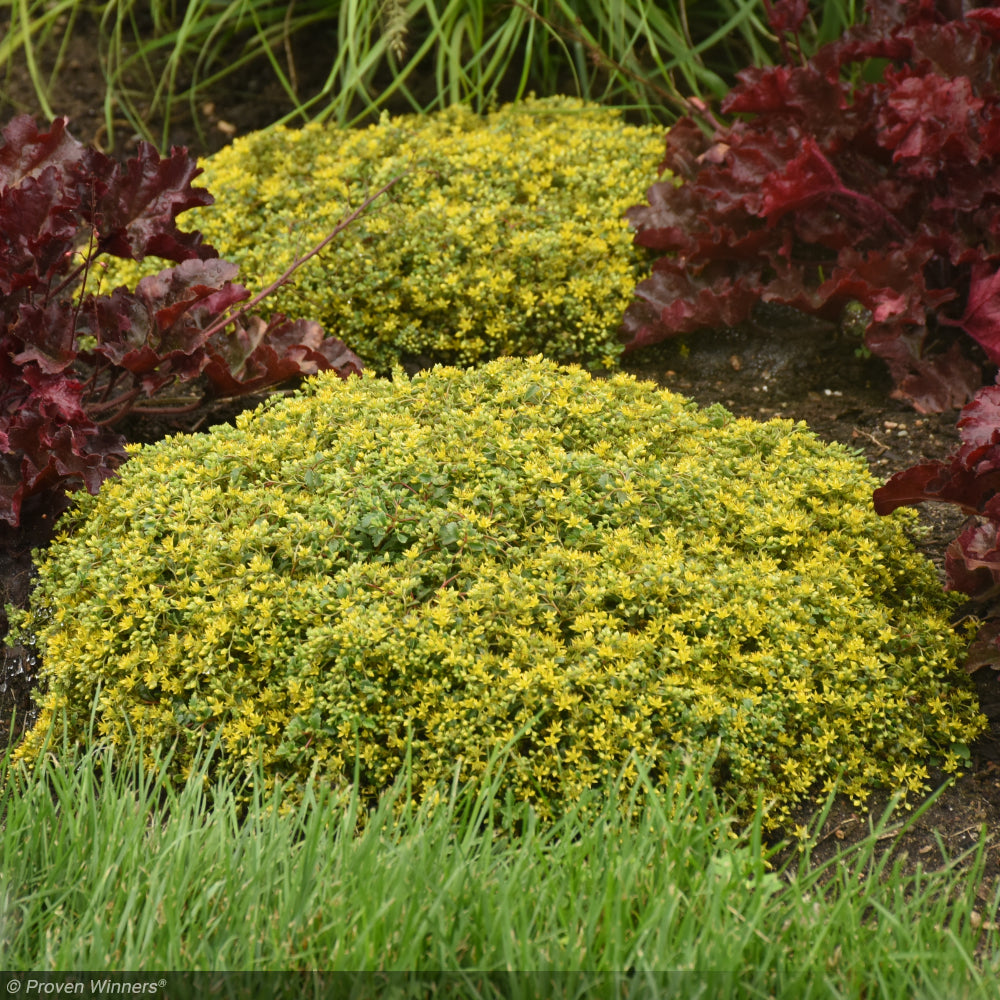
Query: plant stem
<point x="282" y="279"/>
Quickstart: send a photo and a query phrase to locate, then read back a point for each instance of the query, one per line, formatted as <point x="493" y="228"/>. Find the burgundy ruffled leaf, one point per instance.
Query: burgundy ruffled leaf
<point x="339" y="357"/>
<point x="48" y="334"/>
<point x="56" y="397"/>
<point x="972" y="560"/>
<point x="65" y="457"/>
<point x="50" y="445"/>
<point x="39" y="229"/>
<point x="915" y="485"/>
<point x="940" y="381"/>
<point x="686" y="143"/>
<point x="262" y="354"/>
<point x="954" y="48"/>
<point x="734" y="187"/>
<point x="683" y="302"/>
<point x="988" y="19"/>
<point x="808" y="176"/>
<point x="789" y="91"/>
<point x="884" y="282"/>
<point x="137" y="216"/>
<point x="979" y="425"/>
<point x="929" y="122"/>
<point x="981" y="318"/>
<point x="882" y="36"/>
<point x="931" y="381"/>
<point x="985" y="649"/>
<point x="786" y="15"/>
<point x="159" y="332"/>
<point x="27" y="150"/>
<point x="194" y="293"/>
<point x="667" y="222"/>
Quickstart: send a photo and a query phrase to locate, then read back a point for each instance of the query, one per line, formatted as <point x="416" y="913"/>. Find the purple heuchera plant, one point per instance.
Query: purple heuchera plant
<point x="829" y="189"/>
<point x="75" y="358"/>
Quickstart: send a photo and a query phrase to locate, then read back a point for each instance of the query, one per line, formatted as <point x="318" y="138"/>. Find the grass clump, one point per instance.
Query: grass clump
<point x="505" y="236"/>
<point x="406" y="575"/>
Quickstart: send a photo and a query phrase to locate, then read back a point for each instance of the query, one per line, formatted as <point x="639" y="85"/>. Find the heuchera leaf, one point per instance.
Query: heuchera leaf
<point x="787" y="90"/>
<point x="48" y="335"/>
<point x="988" y="18"/>
<point x="931" y="381"/>
<point x="981" y="319"/>
<point x="264" y="354"/>
<point x="832" y="187"/>
<point x="985" y="649"/>
<point x="786" y="15"/>
<point x="49" y="445"/>
<point x="970" y="479"/>
<point x="136" y="216"/>
<point x="927" y="120"/>
<point x="972" y="560"/>
<point x="27" y="150"/>
<point x="40" y="232"/>
<point x="979" y="424"/>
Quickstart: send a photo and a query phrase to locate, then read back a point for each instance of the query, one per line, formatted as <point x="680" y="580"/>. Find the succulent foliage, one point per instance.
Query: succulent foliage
<point x="432" y="568"/>
<point x="504" y="237"/>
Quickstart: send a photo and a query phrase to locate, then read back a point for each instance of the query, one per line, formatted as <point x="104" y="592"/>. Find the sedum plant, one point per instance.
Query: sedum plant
<point x="380" y="574"/>
<point x="505" y="237"/>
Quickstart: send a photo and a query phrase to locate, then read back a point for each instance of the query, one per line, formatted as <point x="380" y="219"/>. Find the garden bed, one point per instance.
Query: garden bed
<point x="777" y="367"/>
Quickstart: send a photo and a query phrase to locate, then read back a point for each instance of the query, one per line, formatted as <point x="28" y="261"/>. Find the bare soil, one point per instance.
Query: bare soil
<point x="779" y="366"/>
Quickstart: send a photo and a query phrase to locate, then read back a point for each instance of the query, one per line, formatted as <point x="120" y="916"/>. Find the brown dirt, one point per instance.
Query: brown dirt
<point x="781" y="366"/>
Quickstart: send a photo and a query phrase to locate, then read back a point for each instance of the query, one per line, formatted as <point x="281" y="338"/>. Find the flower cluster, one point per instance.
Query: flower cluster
<point x="518" y="554"/>
<point x="505" y="237"/>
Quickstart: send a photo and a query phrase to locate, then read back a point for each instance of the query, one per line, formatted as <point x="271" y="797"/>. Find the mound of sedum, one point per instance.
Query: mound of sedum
<point x="518" y="554"/>
<point x="504" y="236"/>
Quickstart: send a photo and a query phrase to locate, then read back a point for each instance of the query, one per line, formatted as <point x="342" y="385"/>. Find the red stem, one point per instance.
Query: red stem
<point x="863" y="200"/>
<point x="168" y="411"/>
<point x="119" y="402"/>
<point x="69" y="279"/>
<point x="223" y="322"/>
